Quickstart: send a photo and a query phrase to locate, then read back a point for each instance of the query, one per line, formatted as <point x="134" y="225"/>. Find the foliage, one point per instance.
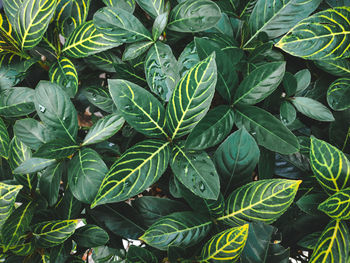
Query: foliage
<point x="209" y="131"/>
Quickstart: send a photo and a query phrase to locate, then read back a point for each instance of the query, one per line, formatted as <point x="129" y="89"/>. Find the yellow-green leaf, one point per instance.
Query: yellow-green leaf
<point x="8" y="195"/>
<point x="338" y="205"/>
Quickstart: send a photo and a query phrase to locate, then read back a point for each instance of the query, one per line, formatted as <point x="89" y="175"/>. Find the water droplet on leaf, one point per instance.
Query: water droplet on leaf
<point x="42" y="108"/>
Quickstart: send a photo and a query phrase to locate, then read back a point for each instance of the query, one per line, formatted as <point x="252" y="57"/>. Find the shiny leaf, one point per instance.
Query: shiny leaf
<point x="312" y="108"/>
<point x="49" y="183"/>
<point x="90" y="236"/>
<point x="4" y="140"/>
<point x="15" y="102"/>
<point x="33" y="165"/>
<point x="8" y="194"/>
<point x="338" y="94"/>
<point x="338" y="205"/>
<point x="153" y="7"/>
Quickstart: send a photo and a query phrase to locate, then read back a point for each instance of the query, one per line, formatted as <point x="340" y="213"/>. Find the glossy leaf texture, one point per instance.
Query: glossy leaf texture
<point x="32" y="20"/>
<point x="235" y="159"/>
<point x="86" y="171"/>
<point x="312" y="108"/>
<point x="33" y="165"/>
<point x="338" y="94"/>
<point x="8" y="194"/>
<point x="120" y="26"/>
<point x="333" y="245"/>
<point x="161" y="70"/>
<point x="135" y="50"/>
<point x="7" y="35"/>
<point x="337" y="206"/>
<point x="56" y="110"/>
<point x="194" y="16"/>
<point x="90" y="236"/>
<point x="336" y="67"/>
<point x="57" y="149"/>
<point x="154" y="7"/>
<point x="320" y="36"/>
<point x="226" y="246"/>
<point x="191" y="98"/>
<point x="212" y="129"/>
<point x="330" y="166"/>
<point x="181" y="229"/>
<point x="138" y="168"/>
<point x="196" y="171"/>
<point x="264" y="201"/>
<point x="260" y="83"/>
<point x="267" y="130"/>
<point x="276" y="18"/>
<point x="128" y="5"/>
<point x="15" y="102"/>
<point x="100" y="97"/>
<point x="139" y="108"/>
<point x="142" y="255"/>
<point x="85" y="40"/>
<point x="63" y="73"/>
<point x="52" y="233"/>
<point x="49" y="183"/>
<point x="4" y="140"/>
<point x="104" y="60"/>
<point x="11" y="8"/>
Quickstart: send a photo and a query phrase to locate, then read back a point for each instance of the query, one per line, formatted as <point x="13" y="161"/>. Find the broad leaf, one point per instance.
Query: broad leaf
<point x="309" y="203"/>
<point x="312" y="108"/>
<point x="333" y="245"/>
<point x="336" y="67"/>
<point x="338" y="94"/>
<point x="15" y="102"/>
<point x="32" y="20"/>
<point x="24" y="249"/>
<point x="11" y="8"/>
<point x="330" y="166"/>
<point x="141" y="255"/>
<point x="260" y="83"/>
<point x="90" y="236"/>
<point x="320" y="36"/>
<point x="103" y="129"/>
<point x="120" y="26"/>
<point x="264" y="200"/>
<point x="85" y="40"/>
<point x="268" y="131"/>
<point x="288" y="113"/>
<point x="63" y="73"/>
<point x="56" y="149"/>
<point x="68" y="207"/>
<point x="7" y="35"/>
<point x="182" y="229"/>
<point x="235" y="159"/>
<point x="56" y="110"/>
<point x="139" y="108"/>
<point x="127" y="5"/>
<point x="100" y="97"/>
<point x="303" y="78"/>
<point x="310" y="240"/>
<point x="159" y="26"/>
<point x="161" y="70"/>
<point x="49" y="183"/>
<point x="4" y="140"/>
<point x="225" y="246"/>
<point x="52" y="233"/>
<point x="154" y="8"/>
<point x="85" y="173"/>
<point x="33" y="165"/>
<point x="338" y="205"/>
<point x="191" y="98"/>
<point x="194" y="16"/>
<point x="212" y="129"/>
<point x="196" y="171"/>
<point x="8" y="194"/>
<point x="135" y="50"/>
<point x="105" y="61"/>
<point x="138" y="168"/>
<point x="188" y="58"/>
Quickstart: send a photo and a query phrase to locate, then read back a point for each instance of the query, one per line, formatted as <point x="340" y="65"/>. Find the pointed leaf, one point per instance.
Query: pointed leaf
<point x="104" y="61"/>
<point x="16" y="102"/>
<point x="56" y="149"/>
<point x="68" y="207"/>
<point x="139" y="108"/>
<point x="31" y="132"/>
<point x="100" y="97"/>
<point x="90" y="236"/>
<point x="138" y="168"/>
<point x="191" y="98"/>
<point x="338" y="94"/>
<point x="303" y="78"/>
<point x="4" y="140"/>
<point x="8" y="194"/>
<point x="312" y="108"/>
<point x="264" y="200"/>
<point x="33" y="165"/>
<point x="24" y="249"/>
<point x="18" y="153"/>
<point x="188" y="58"/>
<point x="338" y="205"/>
<point x="49" y="183"/>
<point x="154" y="7"/>
<point x="182" y="229"/>
<point x="135" y="50"/>
<point x="288" y="113"/>
<point x="127" y="5"/>
<point x="159" y="25"/>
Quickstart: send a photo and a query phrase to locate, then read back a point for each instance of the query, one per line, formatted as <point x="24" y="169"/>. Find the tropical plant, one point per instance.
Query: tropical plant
<point x="174" y="131"/>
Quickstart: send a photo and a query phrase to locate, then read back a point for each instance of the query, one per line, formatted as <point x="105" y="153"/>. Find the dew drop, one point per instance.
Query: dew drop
<point x="42" y="108"/>
<point x="192" y="28"/>
<point x="160" y="90"/>
<point x="201" y="187"/>
<point x="111" y="144"/>
<point x="186" y="170"/>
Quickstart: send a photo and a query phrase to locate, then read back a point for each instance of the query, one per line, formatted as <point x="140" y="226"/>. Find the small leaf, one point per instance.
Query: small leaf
<point x="303" y="78"/>
<point x="308" y="203"/>
<point x="100" y="97"/>
<point x="16" y="102"/>
<point x="337" y="206"/>
<point x="288" y="113"/>
<point x="338" y="94"/>
<point x="159" y="25"/>
<point x="90" y="236"/>
<point x="290" y="84"/>
<point x="4" y="140"/>
<point x="33" y="165"/>
<point x="182" y="229"/>
<point x="135" y="50"/>
<point x="188" y="58"/>
<point x="49" y="183"/>
<point x="309" y="241"/>
<point x="312" y="108"/>
<point x="225" y="246"/>
<point x="18" y="153"/>
<point x="8" y="194"/>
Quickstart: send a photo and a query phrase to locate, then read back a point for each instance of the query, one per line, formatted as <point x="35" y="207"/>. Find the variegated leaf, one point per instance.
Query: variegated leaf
<point x="4" y="140"/>
<point x="8" y="194"/>
<point x="338" y="205"/>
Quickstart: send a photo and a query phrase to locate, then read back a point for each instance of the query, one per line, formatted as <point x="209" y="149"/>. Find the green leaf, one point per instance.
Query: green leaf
<point x="85" y="40"/>
<point x="105" y="61"/>
<point x="33" y="165"/>
<point x="188" y="58"/>
<point x="337" y="67"/>
<point x="85" y="173"/>
<point x="127" y="5"/>
<point x="275" y="19"/>
<point x="120" y="26"/>
<point x="235" y="159"/>
<point x="159" y="25"/>
<point x="320" y="36"/>
<point x="260" y="83"/>
<point x="139" y="108"/>
<point x="90" y="236"/>
<point x="138" y="168"/>
<point x="52" y="233"/>
<point x="49" y="183"/>
<point x="194" y="16"/>
<point x="226" y="245"/>
<point x="7" y="37"/>
<point x="100" y="97"/>
<point x="333" y="245"/>
<point x="310" y="240"/>
<point x="18" y="153"/>
<point x="103" y="129"/>
<point x="140" y="255"/>
<point x="135" y="50"/>
<point x="32" y="20"/>
<point x="303" y="78"/>
<point x="312" y="108"/>
<point x="338" y="205"/>
<point x="309" y="203"/>
<point x="56" y="149"/>
<point x="288" y="113"/>
<point x="24" y="249"/>
<point x="267" y="130"/>
<point x="290" y="84"/>
<point x="154" y="7"/>
<point x="31" y="132"/>
<point x="16" y="102"/>
<point x="68" y="206"/>
<point x="212" y="129"/>
<point x="182" y="229"/>
<point x="4" y="140"/>
<point x="264" y="200"/>
<point x="196" y="171"/>
<point x="16" y="225"/>
<point x="8" y="194"/>
<point x="63" y="73"/>
<point x="191" y="98"/>
<point x="161" y="70"/>
<point x="11" y="8"/>
<point x="338" y="94"/>
<point x="56" y="110"/>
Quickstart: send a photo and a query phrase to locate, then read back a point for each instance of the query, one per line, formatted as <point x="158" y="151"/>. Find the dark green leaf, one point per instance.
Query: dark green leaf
<point x="15" y="102"/>
<point x="337" y="67"/>
<point x="49" y="183"/>
<point x="310" y="202"/>
<point x="4" y="140"/>
<point x="56" y="149"/>
<point x="33" y="165"/>
<point x="8" y="194"/>
<point x="303" y="78"/>
<point x="127" y="5"/>
<point x="312" y="108"/>
<point x="188" y="58"/>
<point x="100" y="97"/>
<point x="338" y="94"/>
<point x="338" y="205"/>
<point x="290" y="84"/>
<point x="90" y="236"/>
<point x="11" y="8"/>
<point x="154" y="8"/>
<point x="288" y="113"/>
<point x="104" y="61"/>
<point x="159" y="25"/>
<point x="68" y="207"/>
<point x="310" y="240"/>
<point x="135" y="50"/>
<point x="140" y="255"/>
